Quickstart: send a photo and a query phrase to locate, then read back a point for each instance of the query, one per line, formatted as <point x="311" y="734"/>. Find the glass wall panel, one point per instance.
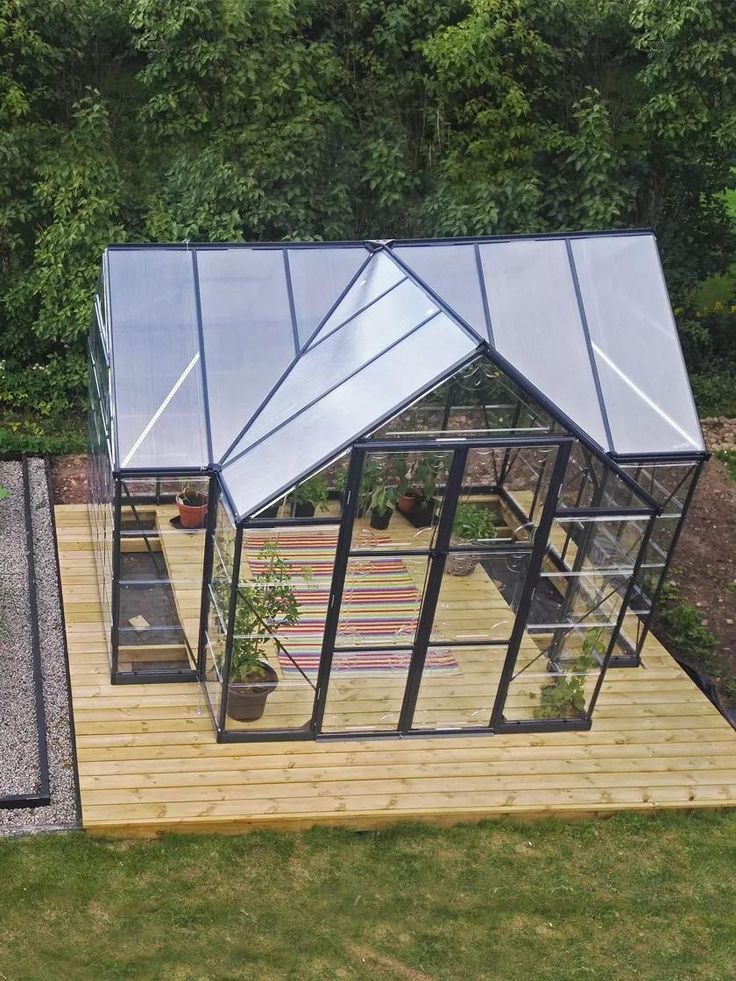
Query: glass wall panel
<point x="400" y="500"/>
<point x="479" y="596"/>
<point x="162" y="533"/>
<point x="523" y="477"/>
<point x="366" y="694"/>
<point x="461" y="695"/>
<point x="283" y="593"/>
<point x="318" y="278"/>
<point x="557" y="684"/>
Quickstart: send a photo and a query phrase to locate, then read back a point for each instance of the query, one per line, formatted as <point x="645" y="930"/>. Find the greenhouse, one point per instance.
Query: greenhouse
<point x="386" y="487"/>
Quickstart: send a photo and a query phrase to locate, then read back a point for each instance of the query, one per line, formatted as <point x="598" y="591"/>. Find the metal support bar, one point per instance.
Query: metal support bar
<point x="541" y="539"/>
<point x="229" y="639"/>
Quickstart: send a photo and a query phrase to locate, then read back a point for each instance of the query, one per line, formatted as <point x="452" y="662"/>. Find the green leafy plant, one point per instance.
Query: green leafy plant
<point x="564" y="696"/>
<point x="4" y="492"/>
<point x="314" y="492"/>
<point x="473" y="523"/>
<point x="383" y="499"/>
<point x="263" y="607"/>
<point x="689" y="634"/>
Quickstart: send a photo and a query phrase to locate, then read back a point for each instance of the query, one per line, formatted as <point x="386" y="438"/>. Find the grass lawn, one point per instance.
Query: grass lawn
<point x="625" y="898"/>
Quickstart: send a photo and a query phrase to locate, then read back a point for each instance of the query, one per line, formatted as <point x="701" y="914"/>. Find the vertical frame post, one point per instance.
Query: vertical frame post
<point x="342" y="551"/>
<point x="432" y="589"/>
<point x="213" y="497"/>
<point x="115" y="584"/>
<point x="539" y="549"/>
<point x="232" y="606"/>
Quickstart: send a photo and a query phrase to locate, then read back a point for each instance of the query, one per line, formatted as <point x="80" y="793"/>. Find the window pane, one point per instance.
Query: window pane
<point x="463" y="693"/>
<point x="381" y="601"/>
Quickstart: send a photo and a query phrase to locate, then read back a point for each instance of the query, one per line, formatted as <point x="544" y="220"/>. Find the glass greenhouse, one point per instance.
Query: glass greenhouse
<point x="380" y="488"/>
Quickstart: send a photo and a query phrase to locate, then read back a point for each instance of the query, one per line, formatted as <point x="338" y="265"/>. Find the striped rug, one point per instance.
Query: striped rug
<point x="380" y="606"/>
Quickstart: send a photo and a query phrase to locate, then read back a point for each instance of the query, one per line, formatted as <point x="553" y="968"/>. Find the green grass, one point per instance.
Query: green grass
<point x="729" y="458"/>
<point x="630" y="897"/>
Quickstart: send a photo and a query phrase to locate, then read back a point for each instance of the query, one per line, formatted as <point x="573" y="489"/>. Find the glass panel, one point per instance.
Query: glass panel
<point x="452" y="272"/>
<point x="637" y="351"/>
<point x="400" y="500"/>
<point x="366" y="690"/>
<point x="581" y="486"/>
<point x="285" y="580"/>
<point x="537" y="326"/>
<point x="667" y="483"/>
<point x="379" y="276"/>
<point x="339" y="355"/>
<point x="588" y="598"/>
<point x="479" y="596"/>
<point x="381" y="601"/>
<point x="524" y="475"/>
<point x="460" y="694"/>
<point x="350" y="410"/>
<point x="248" y="333"/>
<point x="605" y="542"/>
<point x="557" y="682"/>
<point x="479" y="399"/>
<point x="161" y="565"/>
<point x="101" y="493"/>
<point x="318" y="277"/>
<point x="158" y="377"/>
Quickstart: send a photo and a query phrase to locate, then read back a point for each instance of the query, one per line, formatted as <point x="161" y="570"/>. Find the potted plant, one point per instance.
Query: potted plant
<point x="417" y="502"/>
<point x="270" y="603"/>
<point x="473" y="523"/>
<point x="564" y="696"/>
<point x="381" y="505"/>
<point x="192" y="505"/>
<point x="311" y="496"/>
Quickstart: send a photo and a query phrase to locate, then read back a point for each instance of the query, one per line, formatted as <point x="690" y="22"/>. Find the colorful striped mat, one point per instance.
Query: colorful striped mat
<point x="380" y="606"/>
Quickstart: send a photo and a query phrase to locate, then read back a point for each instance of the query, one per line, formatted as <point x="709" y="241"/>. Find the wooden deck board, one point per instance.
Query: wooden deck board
<point x="148" y="761"/>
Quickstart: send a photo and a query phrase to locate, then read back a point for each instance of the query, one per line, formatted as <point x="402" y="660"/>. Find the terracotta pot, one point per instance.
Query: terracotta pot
<point x="246" y="700"/>
<point x="406" y="504"/>
<point x="191" y="517"/>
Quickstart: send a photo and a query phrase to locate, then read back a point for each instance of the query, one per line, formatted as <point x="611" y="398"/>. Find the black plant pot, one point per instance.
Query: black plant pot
<point x="422" y="513"/>
<point x="272" y="512"/>
<point x="380" y="521"/>
<point x="304" y="509"/>
<point x="246" y="701"/>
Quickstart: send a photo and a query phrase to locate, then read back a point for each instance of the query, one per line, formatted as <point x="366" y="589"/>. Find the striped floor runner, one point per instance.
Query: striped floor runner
<point x="380" y="606"/>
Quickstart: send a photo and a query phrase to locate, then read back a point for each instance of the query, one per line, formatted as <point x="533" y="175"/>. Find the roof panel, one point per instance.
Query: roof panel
<point x="351" y="409"/>
<point x="380" y="275"/>
<point x="452" y="272"/>
<point x="158" y="377"/>
<point x="248" y="334"/>
<point x="537" y="326"/>
<point x="340" y="354"/>
<point x="319" y="276"/>
<point x="634" y="338"/>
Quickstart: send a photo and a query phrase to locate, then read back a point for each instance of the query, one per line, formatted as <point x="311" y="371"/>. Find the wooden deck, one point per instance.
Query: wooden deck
<point x="148" y="760"/>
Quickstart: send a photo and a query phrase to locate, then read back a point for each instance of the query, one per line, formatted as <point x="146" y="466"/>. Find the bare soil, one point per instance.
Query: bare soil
<point x="704" y="569"/>
<point x="69" y="479"/>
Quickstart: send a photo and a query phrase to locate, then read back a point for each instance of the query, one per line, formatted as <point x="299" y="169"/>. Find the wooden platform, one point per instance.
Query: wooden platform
<point x="148" y="760"/>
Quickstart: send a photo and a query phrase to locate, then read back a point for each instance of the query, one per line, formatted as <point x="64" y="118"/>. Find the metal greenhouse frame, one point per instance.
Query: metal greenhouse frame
<point x="536" y="380"/>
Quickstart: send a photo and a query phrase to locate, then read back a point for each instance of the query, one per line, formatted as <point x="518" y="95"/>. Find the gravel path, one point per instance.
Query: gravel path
<point x="19" y="767"/>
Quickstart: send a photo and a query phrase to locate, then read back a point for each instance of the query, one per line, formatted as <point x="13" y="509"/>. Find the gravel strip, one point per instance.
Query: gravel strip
<point x="19" y="767"/>
<point x="62" y="812"/>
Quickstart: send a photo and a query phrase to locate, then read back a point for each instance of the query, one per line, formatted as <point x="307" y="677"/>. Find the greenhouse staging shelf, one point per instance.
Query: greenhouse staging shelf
<point x="149" y="762"/>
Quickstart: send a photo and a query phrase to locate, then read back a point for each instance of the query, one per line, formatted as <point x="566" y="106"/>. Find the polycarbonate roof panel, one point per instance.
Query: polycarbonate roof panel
<point x="537" y="327"/>
<point x="319" y="276"/>
<point x="160" y="415"/>
<point x="637" y="351"/>
<point x="340" y="354"/>
<point x="248" y="334"/>
<point x="452" y="272"/>
<point x="380" y="275"/>
<point x="354" y="407"/>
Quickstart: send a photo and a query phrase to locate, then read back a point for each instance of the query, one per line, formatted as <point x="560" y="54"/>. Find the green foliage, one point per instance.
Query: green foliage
<point x="564" y="696"/>
<point x="729" y="458"/>
<point x="229" y="120"/>
<point x="689" y="635"/>
<point x="4" y="492"/>
<point x="314" y="491"/>
<point x="473" y="523"/>
<point x="263" y="607"/>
